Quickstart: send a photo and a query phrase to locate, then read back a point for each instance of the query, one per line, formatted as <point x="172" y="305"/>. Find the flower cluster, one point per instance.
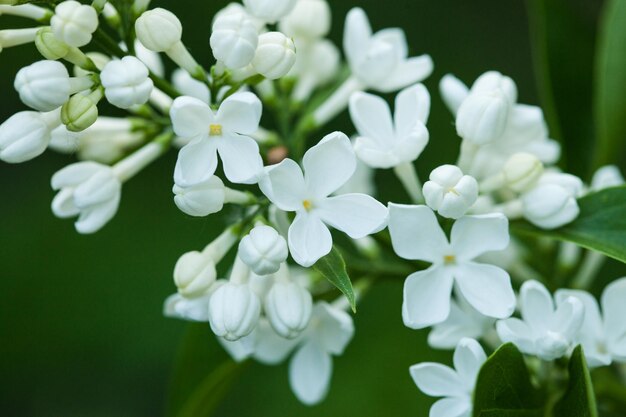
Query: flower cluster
<point x="300" y="196"/>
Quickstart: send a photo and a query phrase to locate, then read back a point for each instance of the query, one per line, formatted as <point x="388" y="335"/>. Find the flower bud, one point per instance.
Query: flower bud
<point x="74" y="23"/>
<point x="275" y="55"/>
<point x="44" y="85"/>
<point x="522" y="171"/>
<point x="269" y="10"/>
<point x="26" y="135"/>
<point x="263" y="250"/>
<point x="79" y="113"/>
<point x="158" y="29"/>
<point x="288" y="308"/>
<point x="126" y="82"/>
<point x="201" y="199"/>
<point x="49" y="46"/>
<point x="309" y="19"/>
<point x="550" y="206"/>
<point x="194" y="274"/>
<point x="492" y="82"/>
<point x="234" y="311"/>
<point x="606" y="177"/>
<point x="234" y="39"/>
<point x="450" y="192"/>
<point x="482" y="117"/>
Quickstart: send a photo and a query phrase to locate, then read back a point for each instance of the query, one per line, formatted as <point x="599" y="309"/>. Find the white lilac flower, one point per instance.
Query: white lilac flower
<point x="192" y="309"/>
<point x="26" y="135"/>
<point x="81" y="111"/>
<point x="309" y="20"/>
<point x="417" y="235"/>
<point x="456" y="386"/>
<point x="520" y="173"/>
<point x="269" y="11"/>
<point x="386" y="142"/>
<point x="263" y="250"/>
<point x="234" y="39"/>
<point x="74" y="23"/>
<point x="606" y="177"/>
<point x="449" y="192"/>
<point x="275" y="55"/>
<point x="603" y="334"/>
<point x="207" y="197"/>
<point x="552" y="202"/>
<point x="546" y="331"/>
<point x="126" y="82"/>
<point x="225" y="132"/>
<point x="327" y="166"/>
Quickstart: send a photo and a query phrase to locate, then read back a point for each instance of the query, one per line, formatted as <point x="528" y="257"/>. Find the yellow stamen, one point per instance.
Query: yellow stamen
<point x="449" y="259"/>
<point x="307" y="204"/>
<point x="453" y="191"/>
<point x="215" y="130"/>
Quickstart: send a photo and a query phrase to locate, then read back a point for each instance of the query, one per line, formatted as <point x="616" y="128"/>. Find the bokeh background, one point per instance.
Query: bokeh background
<point x="81" y="328"/>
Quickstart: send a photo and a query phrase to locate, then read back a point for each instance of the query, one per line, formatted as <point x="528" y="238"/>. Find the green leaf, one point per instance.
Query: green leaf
<point x="504" y="384"/>
<point x="333" y="268"/>
<point x="610" y="95"/>
<point x="601" y="225"/>
<point x="579" y="399"/>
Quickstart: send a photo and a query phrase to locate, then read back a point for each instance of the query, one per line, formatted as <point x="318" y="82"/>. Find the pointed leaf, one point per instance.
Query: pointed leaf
<point x="333" y="268"/>
<point x="579" y="400"/>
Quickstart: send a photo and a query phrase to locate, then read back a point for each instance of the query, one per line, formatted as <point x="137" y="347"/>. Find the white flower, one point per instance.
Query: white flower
<point x="159" y="30"/>
<point x="606" y="177"/>
<point x="416" y="234"/>
<point x="126" y="82"/>
<point x="46" y="85"/>
<point x="194" y="274"/>
<point x="544" y="331"/>
<point x="327" y="166"/>
<point x="275" y="55"/>
<point x="603" y="335"/>
<point x="453" y="92"/>
<point x="89" y="190"/>
<point x="384" y="142"/>
<point x="234" y="39"/>
<point x="74" y="23"/>
<point x="26" y="135"/>
<point x="380" y="61"/>
<point x="309" y="19"/>
<point x="522" y="171"/>
<point x="311" y="367"/>
<point x="201" y="199"/>
<point x="189" y="86"/>
<point x="552" y="202"/>
<point x="270" y="11"/>
<point x="288" y="308"/>
<point x="449" y="192"/>
<point x="192" y="309"/>
<point x="234" y="311"/>
<point x="224" y="132"/>
<point x="483" y="115"/>
<point x="455" y="385"/>
<point x="263" y="250"/>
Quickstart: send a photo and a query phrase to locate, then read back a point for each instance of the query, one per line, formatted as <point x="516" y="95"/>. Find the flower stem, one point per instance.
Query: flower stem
<point x="408" y="177"/>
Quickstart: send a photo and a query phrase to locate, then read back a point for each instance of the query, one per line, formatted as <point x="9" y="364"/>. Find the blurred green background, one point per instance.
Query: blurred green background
<point x="81" y="329"/>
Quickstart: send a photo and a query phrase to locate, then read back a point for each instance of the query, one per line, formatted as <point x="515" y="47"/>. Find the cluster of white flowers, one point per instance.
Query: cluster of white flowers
<point x="272" y="56"/>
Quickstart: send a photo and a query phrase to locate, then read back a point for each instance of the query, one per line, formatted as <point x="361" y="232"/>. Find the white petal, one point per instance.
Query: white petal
<point x="394" y="37"/>
<point x="487" y="288"/>
<point x="469" y="356"/>
<point x="284" y="185"/>
<point x="568" y="318"/>
<point x="515" y="331"/>
<point x="309" y="373"/>
<point x="335" y="328"/>
<point x="426" y="299"/>
<point x="408" y="72"/>
<point x="371" y="117"/>
<point x="357" y="215"/>
<point x="309" y="239"/>
<point x="74" y="174"/>
<point x="410" y="147"/>
<point x="614" y="310"/>
<point x="453" y="91"/>
<point x="197" y="162"/>
<point x="357" y="34"/>
<point x="472" y="236"/>
<point x="536" y="305"/>
<point x="437" y="380"/>
<point x="270" y="348"/>
<point x="452" y="407"/>
<point x="93" y="219"/>
<point x="63" y="204"/>
<point x="592" y="326"/>
<point x="329" y="165"/>
<point x="412" y="106"/>
<point x="416" y="234"/>
<point x="190" y="117"/>
<point x="240" y="113"/>
<point x="241" y="158"/>
<point x="375" y="155"/>
<point x="459" y="324"/>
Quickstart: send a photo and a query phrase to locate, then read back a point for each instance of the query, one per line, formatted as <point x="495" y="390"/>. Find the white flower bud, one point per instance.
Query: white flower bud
<point x="201" y="199"/>
<point x="288" y="308"/>
<point x="449" y="192"/>
<point x="158" y="29"/>
<point x="522" y="171"/>
<point x="269" y="10"/>
<point x="550" y="206"/>
<point x="493" y="81"/>
<point x="234" y="39"/>
<point x="309" y="19"/>
<point x="152" y="59"/>
<point x="74" y="23"/>
<point x="194" y="274"/>
<point x="234" y="311"/>
<point x="81" y="111"/>
<point x="263" y="250"/>
<point x="482" y="117"/>
<point x="45" y="85"/>
<point x="606" y="177"/>
<point x="126" y="82"/>
<point x="275" y="55"/>
<point x="26" y="135"/>
<point x="87" y="189"/>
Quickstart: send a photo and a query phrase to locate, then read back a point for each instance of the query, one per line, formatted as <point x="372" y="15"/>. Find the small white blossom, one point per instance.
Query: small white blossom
<point x="202" y="199"/>
<point x="327" y="166"/>
<point x="288" y="306"/>
<point x="449" y="192"/>
<point x="158" y="29"/>
<point x="74" y="23"/>
<point x="606" y="177"/>
<point x="234" y="39"/>
<point x="263" y="250"/>
<point x="544" y="331"/>
<point x="270" y="11"/>
<point x="416" y="234"/>
<point x="552" y="202"/>
<point x="455" y="385"/>
<point x="194" y="274"/>
<point x="275" y="55"/>
<point x="192" y="309"/>
<point x="26" y="135"/>
<point x="522" y="171"/>
<point x="126" y="82"/>
<point x="309" y="20"/>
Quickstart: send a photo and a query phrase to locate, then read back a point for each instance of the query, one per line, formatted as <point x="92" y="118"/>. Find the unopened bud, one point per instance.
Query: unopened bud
<point x="309" y="19"/>
<point x="550" y="206"/>
<point x="234" y="311"/>
<point x="234" y="39"/>
<point x="126" y="82"/>
<point x="80" y="111"/>
<point x="522" y="171"/>
<point x="263" y="250"/>
<point x="194" y="274"/>
<point x="74" y="23"/>
<point x="201" y="199"/>
<point x="288" y="307"/>
<point x="449" y="192"/>
<point x="270" y="11"/>
<point x="275" y="55"/>
<point x="158" y="29"/>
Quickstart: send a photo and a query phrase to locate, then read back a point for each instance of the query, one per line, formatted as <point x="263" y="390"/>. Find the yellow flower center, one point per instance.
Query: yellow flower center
<point x="453" y="191"/>
<point x="307" y="204"/>
<point x="449" y="259"/>
<point x="215" y="130"/>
